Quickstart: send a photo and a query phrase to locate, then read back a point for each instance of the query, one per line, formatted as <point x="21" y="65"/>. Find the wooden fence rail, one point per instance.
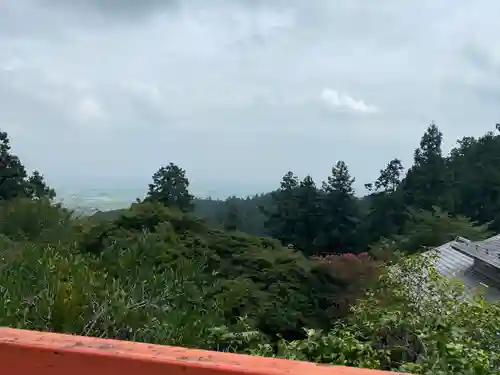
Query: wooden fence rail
<point x="38" y="353"/>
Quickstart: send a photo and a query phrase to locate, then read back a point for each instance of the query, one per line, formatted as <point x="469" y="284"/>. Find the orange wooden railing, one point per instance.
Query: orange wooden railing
<point x="38" y="353"/>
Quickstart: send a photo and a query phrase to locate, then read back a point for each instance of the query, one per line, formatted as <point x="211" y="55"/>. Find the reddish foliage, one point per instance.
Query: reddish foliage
<point x="351" y="268"/>
<point x="353" y="273"/>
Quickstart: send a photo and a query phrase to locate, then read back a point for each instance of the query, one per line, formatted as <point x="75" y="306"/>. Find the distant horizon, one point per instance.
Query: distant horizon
<point x="120" y="196"/>
<point x="131" y="187"/>
<point x="133" y="192"/>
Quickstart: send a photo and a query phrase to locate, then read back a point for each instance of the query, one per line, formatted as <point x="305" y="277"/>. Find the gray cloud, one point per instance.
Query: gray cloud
<point x="238" y="92"/>
<point x="126" y="9"/>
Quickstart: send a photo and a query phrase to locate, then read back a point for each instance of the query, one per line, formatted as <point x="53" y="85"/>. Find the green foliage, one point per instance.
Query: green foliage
<point x="428" y="174"/>
<point x="14" y="180"/>
<point x="427" y="229"/>
<point x="412" y="321"/>
<point x="316" y="221"/>
<point x="354" y="274"/>
<point x="464" y="184"/>
<point x="34" y="220"/>
<point x="283" y="216"/>
<point x="276" y="288"/>
<point x="53" y="288"/>
<point x="385" y="215"/>
<point x="250" y="216"/>
<point x="340" y="213"/>
<point x="232" y="217"/>
<point x="152" y="264"/>
<point x="474" y="174"/>
<point x="170" y="187"/>
<point x="157" y="273"/>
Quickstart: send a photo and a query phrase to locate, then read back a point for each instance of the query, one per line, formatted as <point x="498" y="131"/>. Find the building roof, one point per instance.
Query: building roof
<point x="457" y="265"/>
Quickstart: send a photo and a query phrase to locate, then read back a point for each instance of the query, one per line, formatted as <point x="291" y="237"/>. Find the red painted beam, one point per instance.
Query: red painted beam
<point x="38" y="353"/>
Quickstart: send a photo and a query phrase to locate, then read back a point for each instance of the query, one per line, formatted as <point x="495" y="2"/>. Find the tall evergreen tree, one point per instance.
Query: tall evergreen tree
<point x="427" y="184"/>
<point x="309" y="215"/>
<point x="475" y="174"/>
<point x="282" y="217"/>
<point x="171" y="188"/>
<point x="14" y="180"/>
<point x="386" y="214"/>
<point x="340" y="213"/>
<point x="390" y="177"/>
<point x="232" y="219"/>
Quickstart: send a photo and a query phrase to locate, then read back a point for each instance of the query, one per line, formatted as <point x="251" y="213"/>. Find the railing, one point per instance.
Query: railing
<point x="37" y="353"/>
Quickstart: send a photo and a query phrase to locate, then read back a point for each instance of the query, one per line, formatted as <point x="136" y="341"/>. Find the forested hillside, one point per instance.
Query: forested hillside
<point x="327" y="217"/>
<point x="336" y="279"/>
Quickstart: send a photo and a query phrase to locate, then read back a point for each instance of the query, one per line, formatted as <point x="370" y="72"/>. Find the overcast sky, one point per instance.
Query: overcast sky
<point x="100" y="93"/>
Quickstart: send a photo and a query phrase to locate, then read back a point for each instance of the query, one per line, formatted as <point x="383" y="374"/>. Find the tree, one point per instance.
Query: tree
<point x="427" y="182"/>
<point x="411" y="322"/>
<point x="427" y="229"/>
<point x="14" y="180"/>
<point x="170" y="187"/>
<point x="282" y="217"/>
<point x="309" y="215"/>
<point x="475" y="176"/>
<point x="340" y="181"/>
<point x="38" y="188"/>
<point x="232" y="216"/>
<point x="390" y="177"/>
<point x="386" y="213"/>
<point x="340" y="212"/>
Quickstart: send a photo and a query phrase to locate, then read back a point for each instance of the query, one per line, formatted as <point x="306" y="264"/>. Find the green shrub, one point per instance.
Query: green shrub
<point x="426" y="229"/>
<point x="277" y="289"/>
<point x="54" y="289"/>
<point x="412" y="321"/>
<point x="35" y="220"/>
<point x="157" y="275"/>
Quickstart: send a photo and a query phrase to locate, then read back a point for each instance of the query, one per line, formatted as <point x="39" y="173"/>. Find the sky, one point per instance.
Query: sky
<point x="98" y="94"/>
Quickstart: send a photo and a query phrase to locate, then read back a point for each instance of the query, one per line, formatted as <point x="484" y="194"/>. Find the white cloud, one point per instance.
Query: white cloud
<point x="335" y="99"/>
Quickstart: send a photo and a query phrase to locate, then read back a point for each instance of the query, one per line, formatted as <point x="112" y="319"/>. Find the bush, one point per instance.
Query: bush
<point x="35" y="220"/>
<point x="277" y="289"/>
<point x="157" y="275"/>
<point x="352" y="273"/>
<point x="52" y="288"/>
<point x="427" y="229"/>
<point x="413" y="321"/>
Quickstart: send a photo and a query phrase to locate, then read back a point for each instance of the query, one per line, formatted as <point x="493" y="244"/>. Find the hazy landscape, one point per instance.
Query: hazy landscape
<point x="273" y="178"/>
<point x="92" y="200"/>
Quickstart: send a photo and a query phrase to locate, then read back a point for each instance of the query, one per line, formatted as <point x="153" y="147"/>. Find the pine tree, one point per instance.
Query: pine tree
<point x="232" y="216"/>
<point x="14" y="180"/>
<point x="426" y="184"/>
<point x="386" y="214"/>
<point x="282" y="217"/>
<point x="340" y="211"/>
<point x="170" y="187"/>
<point x="309" y="216"/>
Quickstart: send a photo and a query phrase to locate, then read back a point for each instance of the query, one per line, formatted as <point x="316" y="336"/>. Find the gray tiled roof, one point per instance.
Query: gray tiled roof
<point x="455" y="265"/>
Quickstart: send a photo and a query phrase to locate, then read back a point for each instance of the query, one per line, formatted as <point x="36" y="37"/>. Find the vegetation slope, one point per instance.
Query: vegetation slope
<point x="336" y="280"/>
